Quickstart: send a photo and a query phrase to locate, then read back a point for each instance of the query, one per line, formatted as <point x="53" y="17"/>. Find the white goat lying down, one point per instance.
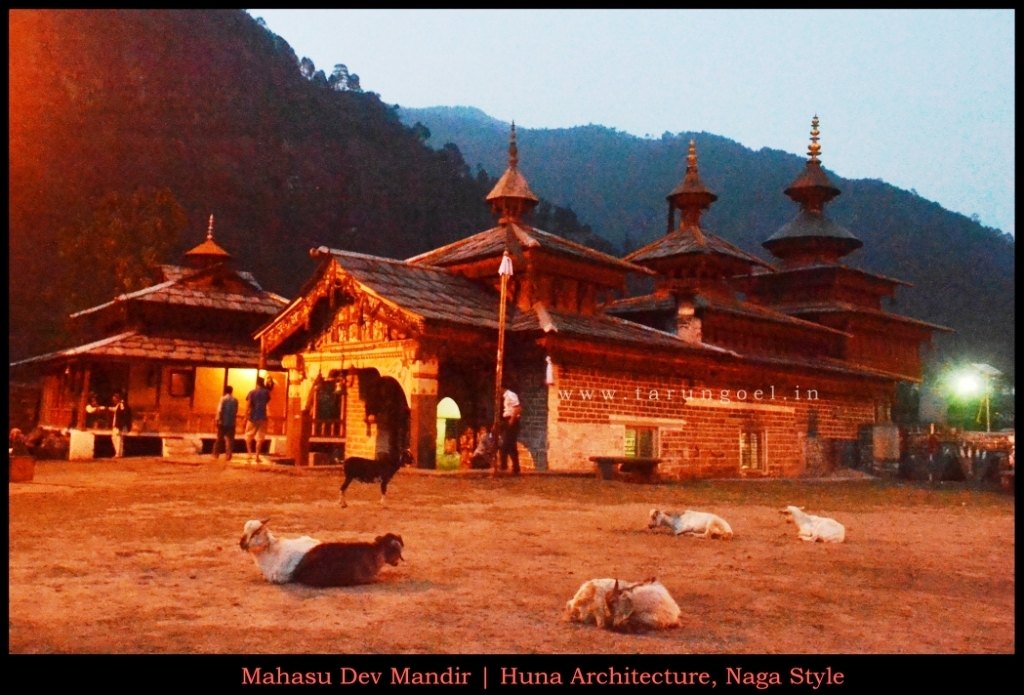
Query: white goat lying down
<point x="615" y="604"/>
<point x="307" y="561"/>
<point x="815" y="528"/>
<point x="700" y="524"/>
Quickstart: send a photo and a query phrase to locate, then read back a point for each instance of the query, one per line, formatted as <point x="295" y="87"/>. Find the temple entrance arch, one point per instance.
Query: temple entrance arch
<point x="378" y="415"/>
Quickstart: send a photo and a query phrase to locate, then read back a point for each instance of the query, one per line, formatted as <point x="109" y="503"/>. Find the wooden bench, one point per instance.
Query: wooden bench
<point x="615" y="467"/>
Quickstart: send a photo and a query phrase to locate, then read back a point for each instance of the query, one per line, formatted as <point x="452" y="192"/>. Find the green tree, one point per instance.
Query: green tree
<point x="118" y="248"/>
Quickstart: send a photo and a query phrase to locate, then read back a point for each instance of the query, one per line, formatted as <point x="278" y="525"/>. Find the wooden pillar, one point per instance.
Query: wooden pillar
<point x="297" y="418"/>
<point x="423" y="413"/>
<point x="83" y="399"/>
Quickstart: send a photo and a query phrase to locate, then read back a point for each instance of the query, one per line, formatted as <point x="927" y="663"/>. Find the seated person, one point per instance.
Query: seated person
<point x="486" y="449"/>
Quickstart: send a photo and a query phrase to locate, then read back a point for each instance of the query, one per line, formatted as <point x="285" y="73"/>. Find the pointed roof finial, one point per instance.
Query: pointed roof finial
<point x="207" y="252"/>
<point x="814" y="149"/>
<point x="691" y="196"/>
<point x="511" y="197"/>
<point x="513" y="151"/>
<point x="811" y="237"/>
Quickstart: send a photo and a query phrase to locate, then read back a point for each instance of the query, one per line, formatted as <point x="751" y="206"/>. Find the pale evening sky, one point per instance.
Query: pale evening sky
<point x="921" y="99"/>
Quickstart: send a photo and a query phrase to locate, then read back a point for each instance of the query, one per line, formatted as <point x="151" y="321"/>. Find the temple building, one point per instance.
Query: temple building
<point x="729" y="366"/>
<point x="171" y="347"/>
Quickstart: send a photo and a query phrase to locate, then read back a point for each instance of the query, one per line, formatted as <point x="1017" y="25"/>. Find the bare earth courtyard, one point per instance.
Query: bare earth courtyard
<point x="141" y="556"/>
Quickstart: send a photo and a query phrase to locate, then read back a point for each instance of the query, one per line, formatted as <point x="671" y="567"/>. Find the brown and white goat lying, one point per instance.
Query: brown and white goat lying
<point x="276" y="557"/>
<point x="815" y="528"/>
<point x="615" y="604"/>
<point x="307" y="561"/>
<point x="700" y="524"/>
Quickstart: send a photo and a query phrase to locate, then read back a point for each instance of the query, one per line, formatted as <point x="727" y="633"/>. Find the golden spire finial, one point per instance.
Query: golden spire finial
<point x="209" y="229"/>
<point x="814" y="149"/>
<point x="691" y="157"/>
<point x="513" y="151"/>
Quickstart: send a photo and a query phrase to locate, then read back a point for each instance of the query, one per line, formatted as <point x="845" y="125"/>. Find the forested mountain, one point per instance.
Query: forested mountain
<point x="962" y="272"/>
<point x="128" y="128"/>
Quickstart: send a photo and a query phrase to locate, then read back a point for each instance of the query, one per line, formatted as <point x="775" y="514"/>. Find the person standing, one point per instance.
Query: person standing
<point x="256" y="419"/>
<point x="511" y="414"/>
<point x="934" y="447"/>
<point x="92" y="412"/>
<point x="120" y="422"/>
<point x="227" y="412"/>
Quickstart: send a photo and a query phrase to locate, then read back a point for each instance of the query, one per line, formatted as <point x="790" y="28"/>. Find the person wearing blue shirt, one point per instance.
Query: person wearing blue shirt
<point x="256" y="419"/>
<point x="227" y="413"/>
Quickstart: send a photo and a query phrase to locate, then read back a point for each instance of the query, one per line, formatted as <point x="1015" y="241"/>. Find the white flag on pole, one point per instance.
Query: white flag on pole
<point x="506" y="265"/>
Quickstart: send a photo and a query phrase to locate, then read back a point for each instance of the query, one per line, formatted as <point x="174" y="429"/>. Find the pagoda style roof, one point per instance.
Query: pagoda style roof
<point x="659" y="301"/>
<point x="761" y="313"/>
<point x="139" y="346"/>
<point x="511" y="196"/>
<point x="818" y="308"/>
<point x="809" y="224"/>
<point x="598" y="327"/>
<point x="426" y="292"/>
<point x="177" y="291"/>
<point x="684" y="241"/>
<point x="491" y="243"/>
<point x="208" y="251"/>
<point x="811" y="234"/>
<point x="841" y="268"/>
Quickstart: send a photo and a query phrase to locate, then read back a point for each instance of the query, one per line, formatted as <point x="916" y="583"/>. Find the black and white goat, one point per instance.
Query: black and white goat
<point x="382" y="468"/>
<point x="307" y="561"/>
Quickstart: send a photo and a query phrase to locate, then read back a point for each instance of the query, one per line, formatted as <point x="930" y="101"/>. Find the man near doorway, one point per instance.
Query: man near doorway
<point x="256" y="419"/>
<point x="511" y="414"/>
<point x="120" y="423"/>
<point x="227" y="412"/>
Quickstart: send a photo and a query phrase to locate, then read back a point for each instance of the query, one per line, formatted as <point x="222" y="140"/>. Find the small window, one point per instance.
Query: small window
<point x="181" y="383"/>
<point x="752" y="451"/>
<point x="640" y="442"/>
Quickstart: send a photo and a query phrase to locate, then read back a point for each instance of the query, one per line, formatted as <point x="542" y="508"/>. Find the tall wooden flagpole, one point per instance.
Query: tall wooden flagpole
<point x="505" y="271"/>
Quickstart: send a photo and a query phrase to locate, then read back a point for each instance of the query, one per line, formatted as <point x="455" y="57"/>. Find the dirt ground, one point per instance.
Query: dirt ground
<point x="141" y="556"/>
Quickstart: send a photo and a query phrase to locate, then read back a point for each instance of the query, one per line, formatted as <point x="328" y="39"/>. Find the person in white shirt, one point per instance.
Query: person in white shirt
<point x="511" y="414"/>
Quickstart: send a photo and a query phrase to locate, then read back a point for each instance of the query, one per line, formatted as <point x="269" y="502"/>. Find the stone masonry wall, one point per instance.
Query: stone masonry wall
<point x="699" y="425"/>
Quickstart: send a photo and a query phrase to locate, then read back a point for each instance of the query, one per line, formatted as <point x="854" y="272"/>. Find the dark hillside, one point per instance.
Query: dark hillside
<point x="212" y="106"/>
<point x="962" y="272"/>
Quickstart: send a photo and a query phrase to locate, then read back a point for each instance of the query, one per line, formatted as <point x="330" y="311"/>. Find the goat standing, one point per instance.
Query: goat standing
<point x="382" y="469"/>
<point x="815" y="528"/>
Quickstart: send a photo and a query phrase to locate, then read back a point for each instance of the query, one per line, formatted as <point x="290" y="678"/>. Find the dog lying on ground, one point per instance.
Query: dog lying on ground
<point x="382" y="469"/>
<point x="691" y="523"/>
